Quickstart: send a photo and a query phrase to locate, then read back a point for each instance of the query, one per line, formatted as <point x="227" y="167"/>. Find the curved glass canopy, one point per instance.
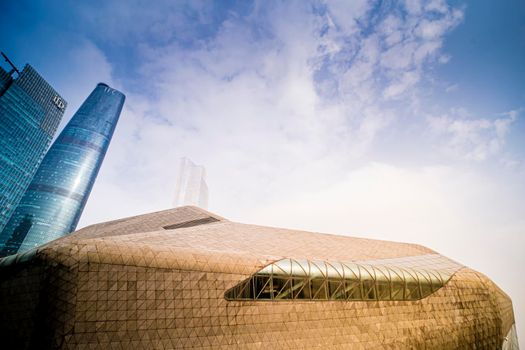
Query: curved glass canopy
<point x="290" y="279"/>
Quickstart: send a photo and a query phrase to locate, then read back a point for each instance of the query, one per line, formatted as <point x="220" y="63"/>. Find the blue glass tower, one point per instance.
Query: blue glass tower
<point x="55" y="199"/>
<point x="30" y="111"/>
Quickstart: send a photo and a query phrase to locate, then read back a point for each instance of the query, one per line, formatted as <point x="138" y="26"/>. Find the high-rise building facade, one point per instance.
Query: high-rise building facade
<point x="55" y="199"/>
<point x="191" y="188"/>
<point x="30" y="112"/>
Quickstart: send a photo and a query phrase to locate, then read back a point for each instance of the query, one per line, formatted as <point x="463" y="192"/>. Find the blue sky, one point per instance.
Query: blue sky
<point x="392" y="120"/>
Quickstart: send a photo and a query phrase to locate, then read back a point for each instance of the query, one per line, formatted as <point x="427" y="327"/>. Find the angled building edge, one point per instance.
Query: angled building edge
<point x="185" y="278"/>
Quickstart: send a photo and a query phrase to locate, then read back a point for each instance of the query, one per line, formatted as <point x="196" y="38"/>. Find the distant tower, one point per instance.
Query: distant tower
<point x="55" y="199"/>
<point x="191" y="188"/>
<point x="30" y="111"/>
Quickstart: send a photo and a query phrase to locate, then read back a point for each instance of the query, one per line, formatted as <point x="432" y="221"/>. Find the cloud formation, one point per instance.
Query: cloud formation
<point x="278" y="100"/>
<point x="285" y="94"/>
<point x="472" y="138"/>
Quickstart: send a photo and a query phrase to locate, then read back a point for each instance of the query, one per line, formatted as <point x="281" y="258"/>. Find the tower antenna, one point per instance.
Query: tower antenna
<point x="11" y="64"/>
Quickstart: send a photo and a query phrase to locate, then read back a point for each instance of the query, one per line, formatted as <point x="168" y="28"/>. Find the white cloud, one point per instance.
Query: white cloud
<point x="432" y="29"/>
<point x="443" y="59"/>
<point x="472" y="138"/>
<point x="346" y="13"/>
<point x="413" y="7"/>
<point x="451" y="88"/>
<point x="271" y="92"/>
<point x="390" y="60"/>
<point x="402" y="84"/>
<point x="436" y="5"/>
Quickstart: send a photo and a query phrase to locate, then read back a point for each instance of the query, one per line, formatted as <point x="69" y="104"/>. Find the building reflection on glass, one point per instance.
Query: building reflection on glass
<point x="55" y="199"/>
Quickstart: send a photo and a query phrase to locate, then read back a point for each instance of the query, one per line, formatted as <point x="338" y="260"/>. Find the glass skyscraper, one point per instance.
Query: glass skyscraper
<point x="191" y="187"/>
<point x="55" y="199"/>
<point x="30" y="111"/>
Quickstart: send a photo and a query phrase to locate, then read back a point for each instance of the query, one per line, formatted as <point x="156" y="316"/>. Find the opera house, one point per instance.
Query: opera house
<point x="187" y="278"/>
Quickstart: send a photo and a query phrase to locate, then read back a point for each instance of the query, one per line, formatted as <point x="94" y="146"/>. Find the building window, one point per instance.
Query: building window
<point x="290" y="279"/>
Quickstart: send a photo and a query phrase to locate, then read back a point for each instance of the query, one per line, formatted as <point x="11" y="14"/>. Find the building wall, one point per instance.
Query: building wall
<point x="126" y="306"/>
<point x="30" y="111"/>
<point x="55" y="198"/>
<point x="155" y="281"/>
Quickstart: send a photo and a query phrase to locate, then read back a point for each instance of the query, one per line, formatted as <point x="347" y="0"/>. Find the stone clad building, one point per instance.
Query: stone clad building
<point x="185" y="278"/>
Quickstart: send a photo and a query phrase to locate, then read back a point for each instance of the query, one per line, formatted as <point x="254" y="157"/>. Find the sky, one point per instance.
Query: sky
<point x="400" y="121"/>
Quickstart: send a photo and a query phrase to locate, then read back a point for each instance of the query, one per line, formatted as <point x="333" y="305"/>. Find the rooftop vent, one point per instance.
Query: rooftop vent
<point x="191" y="223"/>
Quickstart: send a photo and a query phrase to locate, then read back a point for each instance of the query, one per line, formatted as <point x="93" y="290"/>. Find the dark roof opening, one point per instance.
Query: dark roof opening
<point x="191" y="223"/>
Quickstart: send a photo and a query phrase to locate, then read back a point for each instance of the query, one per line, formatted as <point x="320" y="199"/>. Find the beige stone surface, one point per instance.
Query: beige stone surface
<point x="158" y="281"/>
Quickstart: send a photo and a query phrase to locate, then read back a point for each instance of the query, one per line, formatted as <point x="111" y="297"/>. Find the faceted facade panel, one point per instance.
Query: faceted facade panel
<point x="55" y="199"/>
<point x="30" y="111"/>
<point x="134" y="283"/>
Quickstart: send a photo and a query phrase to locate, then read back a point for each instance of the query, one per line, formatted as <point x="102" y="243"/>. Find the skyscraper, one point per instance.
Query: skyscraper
<point x="55" y="199"/>
<point x="30" y="111"/>
<point x="191" y="188"/>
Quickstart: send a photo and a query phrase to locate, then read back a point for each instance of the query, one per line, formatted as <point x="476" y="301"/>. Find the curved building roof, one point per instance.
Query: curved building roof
<point x="188" y="278"/>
